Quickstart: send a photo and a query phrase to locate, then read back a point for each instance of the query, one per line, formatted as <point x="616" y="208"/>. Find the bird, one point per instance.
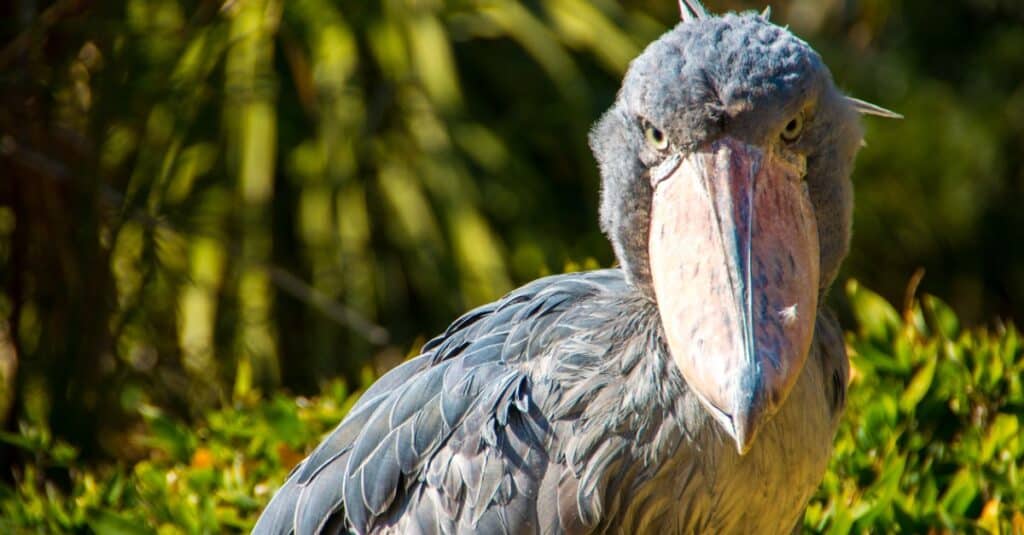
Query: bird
<point x="694" y="388"/>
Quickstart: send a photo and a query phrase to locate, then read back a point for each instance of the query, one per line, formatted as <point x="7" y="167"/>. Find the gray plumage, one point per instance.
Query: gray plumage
<point x="558" y="409"/>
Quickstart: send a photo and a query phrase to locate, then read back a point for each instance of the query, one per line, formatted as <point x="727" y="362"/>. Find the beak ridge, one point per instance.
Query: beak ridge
<point x="734" y="261"/>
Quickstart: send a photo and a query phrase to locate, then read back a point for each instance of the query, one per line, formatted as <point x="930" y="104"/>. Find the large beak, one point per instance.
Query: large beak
<point x="734" y="260"/>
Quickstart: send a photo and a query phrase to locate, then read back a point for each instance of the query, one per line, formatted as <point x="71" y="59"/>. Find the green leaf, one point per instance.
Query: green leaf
<point x="284" y="421"/>
<point x="107" y="522"/>
<point x="1003" y="429"/>
<point x="961" y="492"/>
<point x="166" y="434"/>
<point x="20" y="440"/>
<point x="875" y="316"/>
<point x="943" y="318"/>
<point x="918" y="386"/>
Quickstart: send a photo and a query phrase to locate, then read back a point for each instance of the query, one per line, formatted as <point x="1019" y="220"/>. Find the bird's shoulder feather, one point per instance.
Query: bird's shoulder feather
<point x="445" y="436"/>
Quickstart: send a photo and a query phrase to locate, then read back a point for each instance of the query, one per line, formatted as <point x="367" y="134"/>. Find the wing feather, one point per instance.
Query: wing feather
<point x="453" y="440"/>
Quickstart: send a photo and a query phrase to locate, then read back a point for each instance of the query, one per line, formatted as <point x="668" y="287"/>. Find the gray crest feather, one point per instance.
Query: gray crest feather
<point x="866" y="108"/>
<point x="691" y="10"/>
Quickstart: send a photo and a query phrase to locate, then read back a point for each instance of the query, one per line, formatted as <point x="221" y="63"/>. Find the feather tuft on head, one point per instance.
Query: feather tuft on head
<point x="691" y="10"/>
<point x="866" y="108"/>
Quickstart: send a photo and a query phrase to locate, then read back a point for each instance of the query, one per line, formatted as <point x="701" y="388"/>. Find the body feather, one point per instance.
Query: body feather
<point x="557" y="410"/>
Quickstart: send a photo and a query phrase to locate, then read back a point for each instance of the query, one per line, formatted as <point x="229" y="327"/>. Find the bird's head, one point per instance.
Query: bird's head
<point x="725" y="162"/>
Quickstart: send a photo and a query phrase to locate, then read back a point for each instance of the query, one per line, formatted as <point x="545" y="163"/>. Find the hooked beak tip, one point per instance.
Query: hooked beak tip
<point x="747" y="420"/>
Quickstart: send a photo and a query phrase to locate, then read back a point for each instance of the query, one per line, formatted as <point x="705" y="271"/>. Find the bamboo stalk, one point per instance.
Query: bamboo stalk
<point x="252" y="125"/>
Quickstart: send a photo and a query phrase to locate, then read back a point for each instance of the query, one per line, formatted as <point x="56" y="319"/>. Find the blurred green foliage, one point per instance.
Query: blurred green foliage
<point x="204" y="202"/>
<point x="931" y="443"/>
<point x="931" y="439"/>
<point x="213" y="478"/>
<point x="210" y="199"/>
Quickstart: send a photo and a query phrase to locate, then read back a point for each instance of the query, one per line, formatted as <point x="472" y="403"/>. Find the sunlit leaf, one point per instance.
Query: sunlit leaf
<point x="945" y="319"/>
<point x="961" y="493"/>
<point x="876" y="317"/>
<point x="918" y="386"/>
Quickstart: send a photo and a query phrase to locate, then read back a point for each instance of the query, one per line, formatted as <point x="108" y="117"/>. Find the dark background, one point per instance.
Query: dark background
<point x="202" y="201"/>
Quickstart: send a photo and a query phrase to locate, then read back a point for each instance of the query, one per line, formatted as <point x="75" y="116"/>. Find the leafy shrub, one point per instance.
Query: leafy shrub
<point x="931" y="442"/>
<point x="214" y="478"/>
<point x="931" y="438"/>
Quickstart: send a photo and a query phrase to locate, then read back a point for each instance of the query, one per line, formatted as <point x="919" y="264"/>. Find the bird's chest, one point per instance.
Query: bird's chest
<point x="766" y="490"/>
<point x="705" y="486"/>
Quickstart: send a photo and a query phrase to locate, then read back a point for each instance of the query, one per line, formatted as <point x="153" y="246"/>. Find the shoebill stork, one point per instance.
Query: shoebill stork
<point x="695" y="388"/>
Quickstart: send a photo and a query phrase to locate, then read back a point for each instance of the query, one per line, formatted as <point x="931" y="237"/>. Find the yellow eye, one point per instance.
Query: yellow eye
<point x="655" y="138"/>
<point x="791" y="132"/>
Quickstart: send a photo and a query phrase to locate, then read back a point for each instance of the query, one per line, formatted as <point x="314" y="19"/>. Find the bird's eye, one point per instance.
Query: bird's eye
<point x="791" y="132"/>
<point x="655" y="138"/>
